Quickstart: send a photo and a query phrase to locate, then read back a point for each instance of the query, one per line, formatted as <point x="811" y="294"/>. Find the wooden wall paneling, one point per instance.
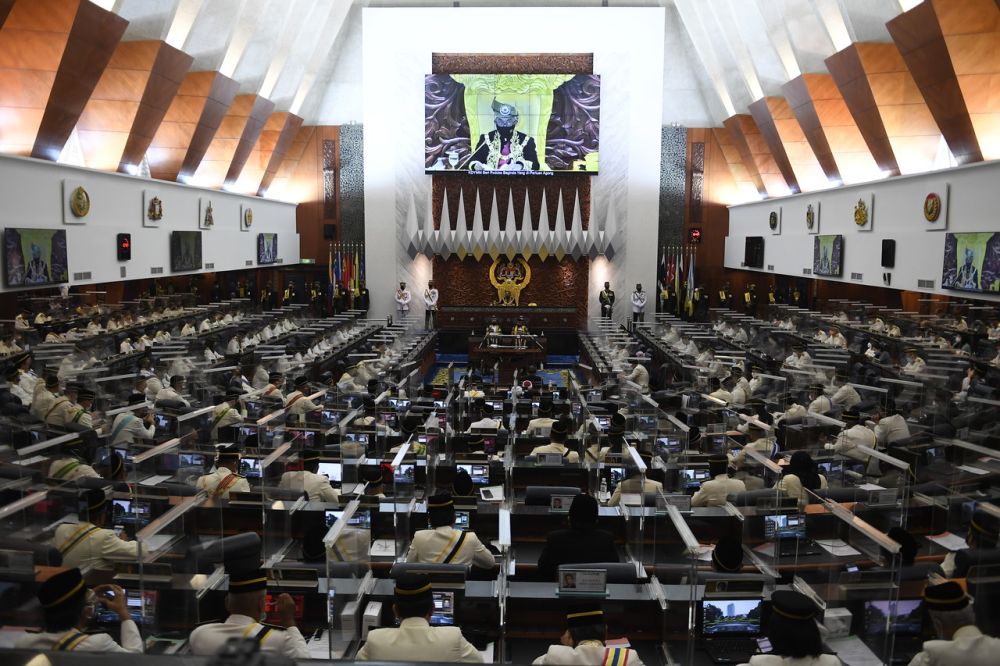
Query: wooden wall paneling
<point x="917" y="33"/>
<point x="307" y="184"/>
<point x="830" y="128"/>
<point x="255" y="122"/>
<point x="283" y="187"/>
<point x="5" y="7"/>
<point x="758" y="152"/>
<point x="278" y="143"/>
<point x="169" y="70"/>
<point x="219" y="156"/>
<point x="717" y="191"/>
<point x="221" y="97"/>
<point x="738" y="156"/>
<point x="767" y="112"/>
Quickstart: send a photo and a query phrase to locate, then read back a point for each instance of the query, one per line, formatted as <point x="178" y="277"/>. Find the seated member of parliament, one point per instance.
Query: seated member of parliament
<point x="794" y="634"/>
<point x="715" y="491"/>
<point x="583" y="542"/>
<point x="68" y="608"/>
<point x="443" y="544"/>
<point x="583" y="642"/>
<point x="245" y="603"/>
<point x="959" y="641"/>
<point x="224" y="479"/>
<point x="557" y="444"/>
<point x="89" y="543"/>
<point x="414" y="639"/>
<point x="316" y="486"/>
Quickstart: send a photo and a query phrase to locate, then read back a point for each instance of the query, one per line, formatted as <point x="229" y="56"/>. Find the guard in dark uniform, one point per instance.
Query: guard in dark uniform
<point x="607" y="299"/>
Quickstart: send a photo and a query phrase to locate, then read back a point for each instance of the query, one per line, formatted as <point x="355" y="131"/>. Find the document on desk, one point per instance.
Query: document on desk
<point x="154" y="480"/>
<point x="702" y="553"/>
<point x="853" y="651"/>
<point x="156" y="542"/>
<point x="383" y="548"/>
<point x="837" y="547"/>
<point x="492" y="493"/>
<point x="973" y="470"/>
<point x="948" y="541"/>
<point x="487" y="653"/>
<point x="870" y="486"/>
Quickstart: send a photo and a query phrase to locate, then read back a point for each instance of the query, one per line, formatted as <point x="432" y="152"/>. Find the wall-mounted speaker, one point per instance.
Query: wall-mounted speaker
<point x="888" y="253"/>
<point x="329" y="231"/>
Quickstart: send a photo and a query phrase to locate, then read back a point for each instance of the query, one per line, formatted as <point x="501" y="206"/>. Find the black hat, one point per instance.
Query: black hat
<point x="618" y="419"/>
<point x="136" y="398"/>
<point x="948" y="596"/>
<point x="583" y="510"/>
<point x="413" y="587"/>
<point x="86" y="394"/>
<point x="62" y="589"/>
<point x="177" y="379"/>
<point x="462" y="484"/>
<point x="51" y="381"/>
<point x="908" y="546"/>
<point x="409" y="425"/>
<point x="438" y="502"/>
<point x="72" y="386"/>
<point x="231" y="395"/>
<point x="115" y="464"/>
<point x="585" y="615"/>
<point x="95" y="499"/>
<point x="309" y="456"/>
<point x="11" y="373"/>
<point x="247" y="580"/>
<point x="274" y="376"/>
<point x="228" y="451"/>
<point x="544" y="408"/>
<point x="728" y="554"/>
<point x="793" y="605"/>
<point x="558" y="428"/>
<point x="372" y="475"/>
<point x="301" y="381"/>
<point x="313" y="548"/>
<point x="985" y="523"/>
<point x="850" y="417"/>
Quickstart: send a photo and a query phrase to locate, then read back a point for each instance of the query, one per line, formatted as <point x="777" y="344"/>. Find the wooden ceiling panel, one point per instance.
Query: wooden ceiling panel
<point x="282" y="145"/>
<point x="234" y="139"/>
<point x="762" y="116"/>
<point x="734" y="127"/>
<point x="5" y="7"/>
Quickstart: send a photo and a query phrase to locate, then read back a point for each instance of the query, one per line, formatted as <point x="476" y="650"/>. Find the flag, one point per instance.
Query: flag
<point x="336" y="265"/>
<point x="346" y="277"/>
<point x="355" y="286"/>
<point x="329" y="264"/>
<point x="690" y="289"/>
<point x="361" y="272"/>
<point x="678" y="272"/>
<point x="661" y="275"/>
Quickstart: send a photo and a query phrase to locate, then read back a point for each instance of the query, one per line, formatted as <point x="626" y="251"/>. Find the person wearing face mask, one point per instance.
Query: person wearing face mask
<point x="68" y="608"/>
<point x="914" y="364"/>
<point x="638" y="304"/>
<point x="403" y="298"/>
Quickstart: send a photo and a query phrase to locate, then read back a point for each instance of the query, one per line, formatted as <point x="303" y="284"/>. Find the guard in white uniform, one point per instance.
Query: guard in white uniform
<point x="224" y="479"/>
<point x="137" y="424"/>
<point x="414" y="639"/>
<point x="68" y="607"/>
<point x="557" y="444"/>
<point x="715" y="491"/>
<point x="245" y="601"/>
<point x="960" y="642"/>
<point x="582" y="644"/>
<point x="89" y="543"/>
<point x="443" y="544"/>
<point x="430" y="305"/>
<point x="638" y="304"/>
<point x="403" y="298"/>
<point x="309" y="481"/>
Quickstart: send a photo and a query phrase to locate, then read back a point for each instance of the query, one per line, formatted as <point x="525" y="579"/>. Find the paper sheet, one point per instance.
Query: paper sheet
<point x="949" y="541"/>
<point x="383" y="548"/>
<point x="837" y="547"/>
<point x="154" y="480"/>
<point x="492" y="493"/>
<point x="703" y="553"/>
<point x="870" y="486"/>
<point x="973" y="470"/>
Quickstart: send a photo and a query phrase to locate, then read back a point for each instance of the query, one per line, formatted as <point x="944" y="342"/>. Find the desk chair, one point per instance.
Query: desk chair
<point x="617" y="572"/>
<point x="542" y="495"/>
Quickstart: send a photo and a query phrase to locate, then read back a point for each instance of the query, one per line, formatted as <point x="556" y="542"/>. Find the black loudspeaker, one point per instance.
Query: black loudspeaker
<point x="888" y="253"/>
<point x="329" y="231"/>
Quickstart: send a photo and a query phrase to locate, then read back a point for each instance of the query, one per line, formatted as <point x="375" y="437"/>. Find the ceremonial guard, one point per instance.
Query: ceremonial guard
<point x="607" y="299"/>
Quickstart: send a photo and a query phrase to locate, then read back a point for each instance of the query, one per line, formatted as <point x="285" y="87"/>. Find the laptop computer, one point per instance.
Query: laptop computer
<point x="789" y="534"/>
<point x="332" y="470"/>
<point x="130" y="512"/>
<point x="729" y="628"/>
<point x="694" y="476"/>
<point x="480" y="473"/>
<point x="462" y="520"/>
<point x="444" y="609"/>
<point x="904" y="618"/>
<point x="250" y="468"/>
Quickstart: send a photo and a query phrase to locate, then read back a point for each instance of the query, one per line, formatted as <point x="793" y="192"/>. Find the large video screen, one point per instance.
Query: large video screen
<point x="971" y="261"/>
<point x="512" y="123"/>
<point x="267" y="248"/>
<point x="35" y="256"/>
<point x="828" y="255"/>
<point x="185" y="251"/>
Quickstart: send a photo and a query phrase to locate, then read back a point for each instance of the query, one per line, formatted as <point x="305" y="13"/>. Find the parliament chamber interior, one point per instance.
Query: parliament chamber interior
<point x="681" y="347"/>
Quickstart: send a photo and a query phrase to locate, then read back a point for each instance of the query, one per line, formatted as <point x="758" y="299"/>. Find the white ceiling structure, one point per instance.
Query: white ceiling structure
<point x="305" y="55"/>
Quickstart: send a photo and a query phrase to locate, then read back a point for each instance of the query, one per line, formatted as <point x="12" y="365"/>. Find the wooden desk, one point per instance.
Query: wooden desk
<point x="507" y="355"/>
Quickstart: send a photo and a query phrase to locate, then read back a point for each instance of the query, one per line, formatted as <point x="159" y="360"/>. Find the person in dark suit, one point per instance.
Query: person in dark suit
<point x="582" y="543"/>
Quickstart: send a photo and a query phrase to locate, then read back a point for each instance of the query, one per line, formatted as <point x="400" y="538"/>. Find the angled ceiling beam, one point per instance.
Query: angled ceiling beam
<point x="918" y="35"/>
<point x="741" y="127"/>
<point x="746" y="185"/>
<point x="190" y="124"/>
<point x="5" y="7"/>
<point x="233" y="141"/>
<point x="765" y="116"/>
<point x="282" y="186"/>
<point x="282" y="142"/>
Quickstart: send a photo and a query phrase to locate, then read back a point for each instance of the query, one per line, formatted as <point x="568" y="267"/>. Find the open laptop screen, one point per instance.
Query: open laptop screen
<point x="784" y="526"/>
<point x="730" y="617"/>
<point x="903" y="617"/>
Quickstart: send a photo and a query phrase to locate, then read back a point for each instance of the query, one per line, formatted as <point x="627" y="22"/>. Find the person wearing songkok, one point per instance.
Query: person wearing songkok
<point x="443" y="544"/>
<point x="374" y="483"/>
<point x="66" y="410"/>
<point x="582" y="543"/>
<point x="794" y="634"/>
<point x="714" y="492"/>
<point x="26" y="377"/>
<point x="68" y="607"/>
<point x="72" y="464"/>
<point x="959" y="642"/>
<point x="540" y="425"/>
<point x="914" y="364"/>
<point x="224" y="479"/>
<point x="819" y="403"/>
<point x="485" y="410"/>
<point x="983" y="535"/>
<point x="12" y="375"/>
<point x="855" y="434"/>
<point x="846" y="397"/>
<point x="415" y="639"/>
<point x="227" y="412"/>
<point x="909" y="546"/>
<point x="309" y="481"/>
<point x="583" y="642"/>
<point x="245" y="603"/>
<point x="630" y="486"/>
<point x="45" y="395"/>
<point x="462" y="484"/>
<point x="273" y="388"/>
<point x="89" y="543"/>
<point x="298" y="402"/>
<point x="890" y="428"/>
<point x="557" y="444"/>
<point x="136" y="424"/>
<point x="799" y="476"/>
<point x="639" y="375"/>
<point x="799" y="358"/>
<point x="113" y="467"/>
<point x="727" y="556"/>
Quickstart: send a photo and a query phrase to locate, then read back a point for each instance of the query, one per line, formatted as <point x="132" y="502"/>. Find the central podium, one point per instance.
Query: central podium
<point x="538" y="319"/>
